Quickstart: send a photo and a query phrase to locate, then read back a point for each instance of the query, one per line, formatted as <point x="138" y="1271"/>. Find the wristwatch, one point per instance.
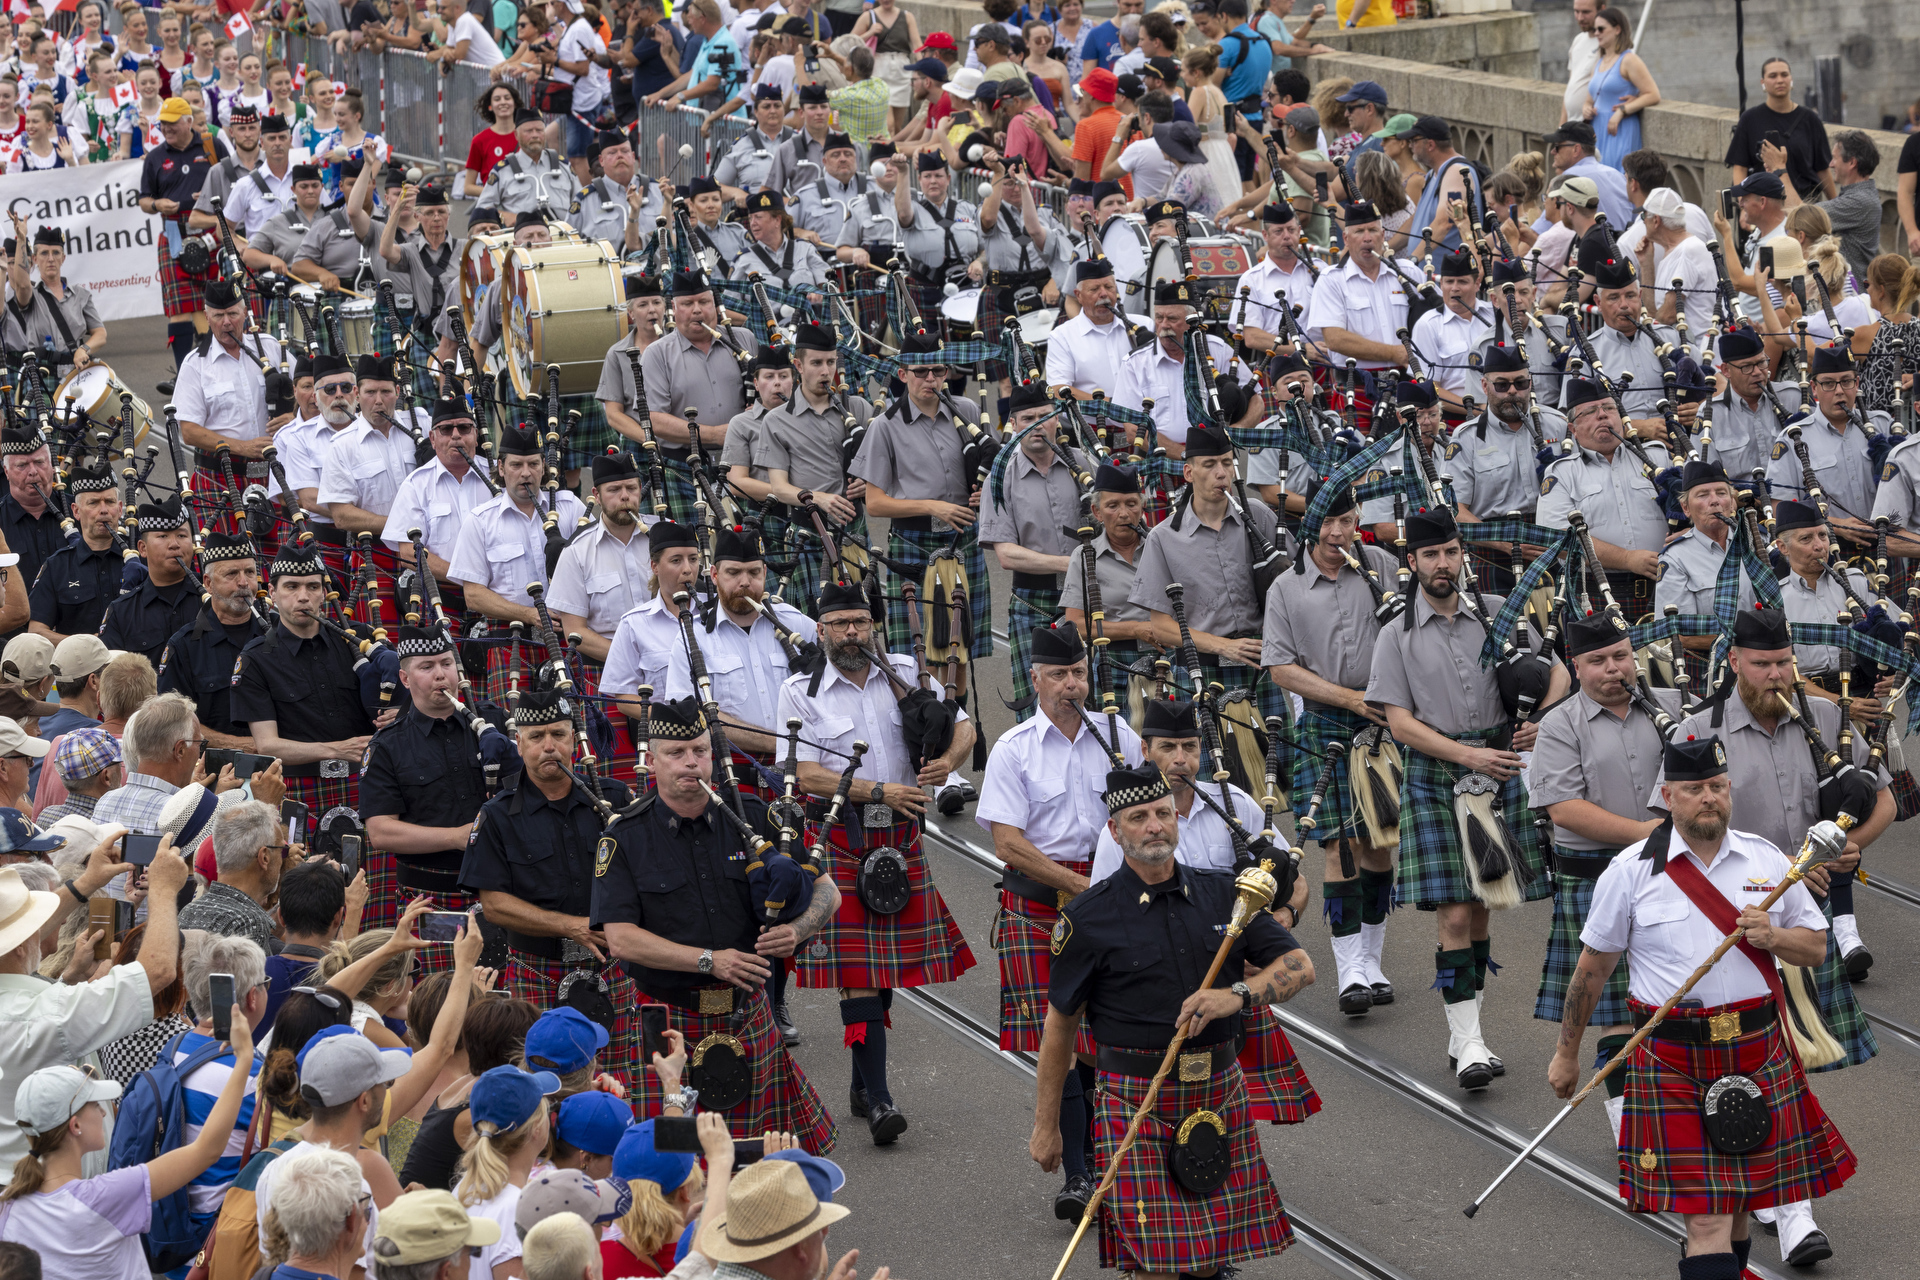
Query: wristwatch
<point x="879" y="791"/>
<point x="706" y="961"/>
<point x="1245" y="993"/>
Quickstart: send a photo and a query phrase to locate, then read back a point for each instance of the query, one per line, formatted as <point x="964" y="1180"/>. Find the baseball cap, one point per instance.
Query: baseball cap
<point x="174" y="109"/>
<point x="1583" y="193"/>
<point x="1763" y="184"/>
<point x="1302" y="119"/>
<point x="52" y="1096"/>
<point x="425" y="1226"/>
<point x="1168" y="69"/>
<point x="937" y="40"/>
<point x="1396" y="126"/>
<point x="636" y="1160"/>
<point x="1099" y="84"/>
<point x="506" y="1097"/>
<point x="1433" y="128"/>
<point x="564" y="1040"/>
<point x="594" y="1122"/>
<point x="14" y="740"/>
<point x="1130" y="86"/>
<point x="337" y="1067"/>
<point x="17" y="835"/>
<point x="27" y="659"/>
<point x="1365" y="91"/>
<point x="932" y="68"/>
<point x="559" y="1191"/>
<point x="1664" y="202"/>
<point x="83" y="753"/>
<point x="823" y="1175"/>
<point x="80" y="656"/>
<point x="1578" y="131"/>
<point x="992" y="33"/>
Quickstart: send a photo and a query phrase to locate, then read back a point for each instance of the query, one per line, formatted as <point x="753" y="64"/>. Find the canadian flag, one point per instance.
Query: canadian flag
<point x="339" y="87"/>
<point x="238" y="25"/>
<point x="124" y="93"/>
<point x="299" y="75"/>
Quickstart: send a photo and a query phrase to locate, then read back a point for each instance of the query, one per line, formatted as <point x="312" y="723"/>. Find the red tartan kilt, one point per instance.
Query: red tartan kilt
<point x="1334" y="380"/>
<point x="181" y="294"/>
<point x="500" y="665"/>
<point x="623" y="760"/>
<point x="207" y="494"/>
<point x="537" y="981"/>
<point x="1276" y="1082"/>
<point x="1023" y="937"/>
<point x="916" y="946"/>
<point x="747" y="775"/>
<point x="1804" y="1158"/>
<point x="783" y="1099"/>
<point x="383" y="891"/>
<point x="1148" y="1221"/>
<point x="385" y="572"/>
<point x="322" y="795"/>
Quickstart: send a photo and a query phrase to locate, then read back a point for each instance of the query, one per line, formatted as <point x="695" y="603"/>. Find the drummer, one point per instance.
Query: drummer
<point x="279" y="238"/>
<point x="61" y="321"/>
<point x="822" y="206"/>
<point x="868" y="228"/>
<point x="339" y="252"/>
<point x="942" y="232"/>
<point x="646" y="321"/>
<point x="717" y="243"/>
<point x="530" y="179"/>
<point x="268" y="190"/>
<point x="426" y="265"/>
<point x="529" y="230"/>
<point x="616" y="207"/>
<point x="748" y="162"/>
<point x="221" y="399"/>
<point x="779" y="258"/>
<point x="1021" y="242"/>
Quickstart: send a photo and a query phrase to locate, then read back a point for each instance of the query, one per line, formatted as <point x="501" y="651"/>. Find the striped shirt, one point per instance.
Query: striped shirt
<point x="202" y="1089"/>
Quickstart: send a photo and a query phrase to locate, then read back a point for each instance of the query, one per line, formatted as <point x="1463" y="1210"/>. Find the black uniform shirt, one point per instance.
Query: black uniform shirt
<point x="167" y="174"/>
<point x="32" y="538"/>
<point x="142" y="621"/>
<point x="75" y="586"/>
<point x="1131" y="953"/>
<point x="684" y="879"/>
<point x="307" y="687"/>
<point x="426" y="772"/>
<point x="539" y="850"/>
<point x="198" y="661"/>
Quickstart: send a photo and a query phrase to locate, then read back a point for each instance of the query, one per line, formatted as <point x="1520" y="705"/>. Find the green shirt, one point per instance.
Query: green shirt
<point x="1317" y="225"/>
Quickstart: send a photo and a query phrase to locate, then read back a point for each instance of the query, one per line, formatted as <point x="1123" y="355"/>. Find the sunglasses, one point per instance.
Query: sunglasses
<point x="1504" y="385"/>
<point x="326" y="998"/>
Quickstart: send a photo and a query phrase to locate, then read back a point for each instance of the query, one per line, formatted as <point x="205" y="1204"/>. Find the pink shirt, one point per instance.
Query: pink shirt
<point x="1024" y="141"/>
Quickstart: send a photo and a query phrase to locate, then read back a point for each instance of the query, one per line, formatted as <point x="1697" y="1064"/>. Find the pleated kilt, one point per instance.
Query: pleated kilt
<point x="989" y="322"/>
<point x="623" y="761"/>
<point x="321" y="795"/>
<point x="591" y="438"/>
<point x="1838" y="1006"/>
<point x="1572" y="900"/>
<point x="1022" y="936"/>
<point x="677" y="471"/>
<point x="801" y="587"/>
<point x="1494" y="571"/>
<point x="1027" y="608"/>
<point x="916" y="946"/>
<point x="1432" y="860"/>
<point x="915" y="548"/>
<point x="537" y="979"/>
<point x="1804" y="1156"/>
<point x="1148" y="1221"/>
<point x="181" y="294"/>
<point x="500" y="665"/>
<point x="207" y="494"/>
<point x="871" y="312"/>
<point x="1334" y="380"/>
<point x="1277" y="1084"/>
<point x="927" y="298"/>
<point x="1325" y="731"/>
<point x="783" y="1099"/>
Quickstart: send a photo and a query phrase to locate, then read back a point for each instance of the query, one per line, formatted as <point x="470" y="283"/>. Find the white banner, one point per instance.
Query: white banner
<point x="110" y="243"/>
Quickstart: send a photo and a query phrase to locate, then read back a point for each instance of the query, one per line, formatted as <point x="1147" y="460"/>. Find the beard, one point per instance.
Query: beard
<point x="1707" y="825"/>
<point x="849" y="656"/>
<point x="620" y="516"/>
<point x="1154" y="851"/>
<point x="338" y="417"/>
<point x="239" y="601"/>
<point x="1439" y="585"/>
<point x="1508" y="408"/>
<point x="1761" y="703"/>
<point x="740" y="602"/>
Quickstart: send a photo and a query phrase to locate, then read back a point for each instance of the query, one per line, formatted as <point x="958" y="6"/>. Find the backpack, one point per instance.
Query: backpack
<point x="232" y="1249"/>
<point x="153" y="1121"/>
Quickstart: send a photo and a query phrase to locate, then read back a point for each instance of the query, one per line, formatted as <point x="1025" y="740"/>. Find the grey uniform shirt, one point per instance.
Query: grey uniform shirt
<point x="1776" y="794"/>
<point x="719" y="244"/>
<point x="337" y="249"/>
<point x="871" y="223"/>
<point x="1434" y="671"/>
<point x="742" y="432"/>
<point x="1493" y="465"/>
<point x="1325" y="624"/>
<point x="1040" y="506"/>
<point x="800" y="159"/>
<point x="681" y="379"/>
<point x="603" y="211"/>
<point x="823" y="205"/>
<point x="1822" y="602"/>
<point x="749" y="161"/>
<point x="43" y="330"/>
<point x="946" y="234"/>
<point x="219" y="181"/>
<point x="1620" y="354"/>
<point x="616" y="376"/>
<point x="806" y="443"/>
<point x="1380" y="510"/>
<point x="1546" y="376"/>
<point x="1898" y="497"/>
<point x="421" y="268"/>
<point x="1010" y="248"/>
<point x="1214" y="566"/>
<point x="519" y="184"/>
<point x="917" y="457"/>
<point x="1614" y="495"/>
<point x="1586" y="752"/>
<point x="794" y="265"/>
<point x="1742" y="434"/>
<point x="1840" y="464"/>
<point x="282" y="235"/>
<point x="1113" y="575"/>
<point x="1689" y="569"/>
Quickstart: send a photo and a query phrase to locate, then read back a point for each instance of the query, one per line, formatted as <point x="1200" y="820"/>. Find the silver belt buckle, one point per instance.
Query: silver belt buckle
<point x="256" y="471"/>
<point x="876" y="815"/>
<point x="333" y="768"/>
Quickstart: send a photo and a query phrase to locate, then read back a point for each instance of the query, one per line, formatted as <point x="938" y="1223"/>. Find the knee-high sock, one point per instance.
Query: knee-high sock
<point x="1340" y="903"/>
<point x="1089" y="1076"/>
<point x="1073" y="1125"/>
<point x="1604" y="1052"/>
<point x="1376" y="896"/>
<point x="865" y="1020"/>
<point x="1711" y="1266"/>
<point x="1483" y="965"/>
<point x="1454" y="975"/>
<point x="1840" y="893"/>
<point x="180" y="338"/>
<point x="1743" y="1249"/>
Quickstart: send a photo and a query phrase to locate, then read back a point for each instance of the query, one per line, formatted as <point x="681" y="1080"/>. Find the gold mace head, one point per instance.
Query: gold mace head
<point x="1254" y="888"/>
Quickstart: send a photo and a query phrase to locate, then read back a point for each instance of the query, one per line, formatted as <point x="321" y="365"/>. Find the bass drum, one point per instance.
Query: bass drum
<point x="563" y="304"/>
<point x="1124" y="241"/>
<point x="480" y="265"/>
<point x="95" y="394"/>
<point x="962" y="308"/>
<point x="1218" y="262"/>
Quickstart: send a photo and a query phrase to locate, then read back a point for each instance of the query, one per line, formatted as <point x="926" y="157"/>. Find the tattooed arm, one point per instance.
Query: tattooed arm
<point x="1583" y="993"/>
<point x="1282" y="980"/>
<point x="782" y="939"/>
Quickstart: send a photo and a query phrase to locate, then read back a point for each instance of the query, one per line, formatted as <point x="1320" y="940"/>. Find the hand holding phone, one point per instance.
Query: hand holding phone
<point x="138" y="850"/>
<point x="220" y="996"/>
<point x="440" y="926"/>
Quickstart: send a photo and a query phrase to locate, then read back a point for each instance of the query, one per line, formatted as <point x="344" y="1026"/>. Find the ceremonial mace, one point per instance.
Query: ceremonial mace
<point x="1253" y="890"/>
<point x="1825" y="841"/>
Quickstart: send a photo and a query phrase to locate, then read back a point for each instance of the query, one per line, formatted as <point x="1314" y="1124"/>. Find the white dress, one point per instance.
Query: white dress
<point x="1217" y="146"/>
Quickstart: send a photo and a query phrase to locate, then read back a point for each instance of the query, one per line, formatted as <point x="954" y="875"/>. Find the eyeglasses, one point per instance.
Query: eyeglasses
<point x="1504" y="385"/>
<point x="858" y="624"/>
<point x="335" y="388"/>
<point x="277" y="848"/>
<point x="930" y="372"/>
<point x="1749" y="366"/>
<point x="1847" y="383"/>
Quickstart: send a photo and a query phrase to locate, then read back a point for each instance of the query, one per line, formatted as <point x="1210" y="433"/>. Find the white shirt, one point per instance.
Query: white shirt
<point x="579" y="43"/>
<point x="1371" y="309"/>
<point x="1851" y="311"/>
<point x="1690" y="261"/>
<point x="1698" y="224"/>
<point x="432" y="501"/>
<point x="1267" y="285"/>
<point x="642" y="650"/>
<point x="1151" y="374"/>
<point x="1443" y="340"/>
<point x="302" y="446"/>
<point x="480" y="47"/>
<point x="747" y="667"/>
<point x="742" y="27"/>
<point x="502" y="548"/>
<point x="1050" y="787"/>
<point x="263" y="1199"/>
<point x="1583" y="54"/>
<point x="1205" y="839"/>
<point x="1666" y="937"/>
<point x="247" y="206"/>
<point x="503" y="1209"/>
<point x="601" y="578"/>
<point x="1086" y="356"/>
<point x="48" y="1025"/>
<point x="226" y="394"/>
<point x="844" y="712"/>
<point x="365" y="468"/>
<point x="1150" y="167"/>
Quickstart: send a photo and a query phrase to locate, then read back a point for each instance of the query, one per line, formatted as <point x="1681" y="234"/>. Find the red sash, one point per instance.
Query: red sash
<point x="1714" y="905"/>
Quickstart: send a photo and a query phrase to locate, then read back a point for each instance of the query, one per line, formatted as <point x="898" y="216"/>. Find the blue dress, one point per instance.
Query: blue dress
<point x="1610" y="87"/>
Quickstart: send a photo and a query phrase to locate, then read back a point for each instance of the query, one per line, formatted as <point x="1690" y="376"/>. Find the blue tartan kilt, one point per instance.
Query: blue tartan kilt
<point x="1267" y="699"/>
<point x="1115" y="676"/>
<point x="926" y="302"/>
<point x="870" y="311"/>
<point x="915" y="548"/>
<point x="1322" y="732"/>
<point x="1432" y="859"/>
<point x="680" y="497"/>
<point x="1027" y="608"/>
<point x="1572" y="900"/>
<point x="1838" y="1006"/>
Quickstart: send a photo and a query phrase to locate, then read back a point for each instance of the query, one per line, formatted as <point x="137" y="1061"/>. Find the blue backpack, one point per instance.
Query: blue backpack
<point x="151" y="1122"/>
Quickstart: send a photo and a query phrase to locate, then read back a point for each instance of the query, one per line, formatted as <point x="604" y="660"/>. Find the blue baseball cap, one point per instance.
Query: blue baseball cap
<point x="823" y="1175"/>
<point x="564" y="1040"/>
<point x="17" y="835"/>
<point x="594" y="1122"/>
<point x="635" y="1160"/>
<point x="506" y="1097"/>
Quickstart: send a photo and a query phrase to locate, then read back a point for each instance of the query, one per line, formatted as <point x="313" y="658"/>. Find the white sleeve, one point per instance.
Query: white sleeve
<point x="621" y="675"/>
<point x="405" y="515"/>
<point x="468" y="563"/>
<point x="1003" y="790"/>
<point x="189" y="403"/>
<point x="1610" y="917"/>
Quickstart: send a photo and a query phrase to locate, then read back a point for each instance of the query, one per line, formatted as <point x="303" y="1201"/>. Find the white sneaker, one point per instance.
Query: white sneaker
<point x="1616" y="1114"/>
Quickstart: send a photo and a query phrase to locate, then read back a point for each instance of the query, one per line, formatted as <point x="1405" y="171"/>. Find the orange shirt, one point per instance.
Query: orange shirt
<point x="1091" y="138"/>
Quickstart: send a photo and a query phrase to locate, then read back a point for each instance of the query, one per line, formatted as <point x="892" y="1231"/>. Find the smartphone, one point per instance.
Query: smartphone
<point x="245" y="763"/>
<point x="220" y="996"/>
<point x="653" y="1032"/>
<point x="1320" y="187"/>
<point x="1729" y="207"/>
<point x="139" y="849"/>
<point x="678" y="1133"/>
<point x="1765" y="262"/>
<point x="350" y="855"/>
<point x="294" y="814"/>
<point x="101" y="915"/>
<point x="441" y="926"/>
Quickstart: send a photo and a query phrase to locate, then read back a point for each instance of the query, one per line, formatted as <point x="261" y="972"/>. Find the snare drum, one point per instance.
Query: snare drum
<point x="1037" y="326"/>
<point x="963" y="307"/>
<point x="480" y="264"/>
<point x="1218" y="261"/>
<point x="94" y="393"/>
<point x="356" y="327"/>
<point x="562" y="304"/>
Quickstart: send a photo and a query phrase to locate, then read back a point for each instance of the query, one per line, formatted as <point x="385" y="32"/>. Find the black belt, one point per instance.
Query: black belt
<point x="1582" y="866"/>
<point x="1711" y="1029"/>
<point x="410" y="876"/>
<point x="1036" y="581"/>
<point x="1145" y="1063"/>
<point x="1032" y="890"/>
<point x="918" y="524"/>
<point x="1002" y="279"/>
<point x="704" y="1000"/>
<point x="331" y="534"/>
<point x="1828" y="680"/>
<point x="1630" y="587"/>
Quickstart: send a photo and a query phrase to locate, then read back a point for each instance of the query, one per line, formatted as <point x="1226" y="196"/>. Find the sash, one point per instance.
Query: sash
<point x="1714" y="906"/>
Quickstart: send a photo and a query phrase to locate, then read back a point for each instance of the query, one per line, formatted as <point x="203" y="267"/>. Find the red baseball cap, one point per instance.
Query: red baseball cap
<point x="937" y="40"/>
<point x="1100" y="84"/>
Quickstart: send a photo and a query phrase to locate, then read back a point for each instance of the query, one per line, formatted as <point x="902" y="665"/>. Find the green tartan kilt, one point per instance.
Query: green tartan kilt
<point x="1114" y="666"/>
<point x="1432" y="866"/>
<point x="1321" y="732"/>
<point x="796" y="541"/>
<point x="677" y="471"/>
<point x="1268" y="698"/>
<point x="1842" y="1012"/>
<point x="914" y="548"/>
<point x="1027" y="608"/>
<point x="585" y="442"/>
<point x="1572" y="900"/>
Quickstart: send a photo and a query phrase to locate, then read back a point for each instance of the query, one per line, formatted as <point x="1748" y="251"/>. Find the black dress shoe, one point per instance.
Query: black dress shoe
<point x="1072" y="1200"/>
<point x="1496" y="1066"/>
<point x="951" y="800"/>
<point x="1810" y="1250"/>
<point x="1476" y="1075"/>
<point x="1858" y="961"/>
<point x="789" y="1034"/>
<point x="164" y="387"/>
<point x="1383" y="993"/>
<point x="857" y="1102"/>
<point x="1356" y="1000"/>
<point x="885" y="1123"/>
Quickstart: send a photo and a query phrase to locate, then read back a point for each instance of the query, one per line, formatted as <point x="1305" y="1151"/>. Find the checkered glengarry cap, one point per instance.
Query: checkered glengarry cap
<point x="296" y="562"/>
<point x="159" y="517"/>
<point x="536" y="709"/>
<point x="1129" y="787"/>
<point x="91" y="480"/>
<point x="418" y="642"/>
<point x="679" y="718"/>
<point x="223" y="546"/>
<point x="18" y="440"/>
